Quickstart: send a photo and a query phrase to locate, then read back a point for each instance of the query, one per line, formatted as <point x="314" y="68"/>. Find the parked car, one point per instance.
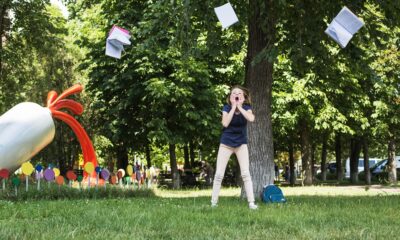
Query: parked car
<point x="372" y="162"/>
<point x="331" y="167"/>
<point x="378" y="170"/>
<point x="381" y="165"/>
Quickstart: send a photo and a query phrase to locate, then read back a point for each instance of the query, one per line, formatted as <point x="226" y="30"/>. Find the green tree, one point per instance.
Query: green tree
<point x="34" y="60"/>
<point x="383" y="57"/>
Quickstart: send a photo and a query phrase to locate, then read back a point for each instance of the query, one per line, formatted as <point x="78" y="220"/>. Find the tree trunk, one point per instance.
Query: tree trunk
<point x="238" y="181"/>
<point x="292" y="178"/>
<point x="174" y="167"/>
<point x="259" y="81"/>
<point x="338" y="156"/>
<point x="148" y="156"/>
<point x="324" y="153"/>
<point x="122" y="157"/>
<point x="306" y="154"/>
<point x="391" y="164"/>
<point x="186" y="156"/>
<point x="355" y="149"/>
<point x="313" y="163"/>
<point x="366" y="162"/>
<point x="4" y="8"/>
<point x="192" y="154"/>
<point x="62" y="148"/>
<point x="74" y="156"/>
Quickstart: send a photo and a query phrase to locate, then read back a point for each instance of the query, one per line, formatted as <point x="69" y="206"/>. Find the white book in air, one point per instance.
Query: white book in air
<point x="226" y="15"/>
<point x="343" y="27"/>
<point x="113" y="51"/>
<point x="117" y="39"/>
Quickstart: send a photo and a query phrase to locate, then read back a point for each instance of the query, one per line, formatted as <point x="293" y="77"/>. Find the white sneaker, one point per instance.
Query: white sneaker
<point x="253" y="206"/>
<point x="214" y="205"/>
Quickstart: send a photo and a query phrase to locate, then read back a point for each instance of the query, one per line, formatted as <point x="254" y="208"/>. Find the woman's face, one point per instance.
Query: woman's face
<point x="237" y="94"/>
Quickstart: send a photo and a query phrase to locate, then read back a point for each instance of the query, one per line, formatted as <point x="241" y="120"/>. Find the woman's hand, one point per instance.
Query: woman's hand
<point x="234" y="101"/>
<point x="240" y="101"/>
<point x="247" y="114"/>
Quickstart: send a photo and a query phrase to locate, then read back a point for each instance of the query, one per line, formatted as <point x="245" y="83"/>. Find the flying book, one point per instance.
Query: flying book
<point x="117" y="38"/>
<point x="226" y="15"/>
<point x="343" y="27"/>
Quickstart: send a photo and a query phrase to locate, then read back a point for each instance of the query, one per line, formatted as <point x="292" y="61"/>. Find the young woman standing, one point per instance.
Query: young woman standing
<point x="235" y="115"/>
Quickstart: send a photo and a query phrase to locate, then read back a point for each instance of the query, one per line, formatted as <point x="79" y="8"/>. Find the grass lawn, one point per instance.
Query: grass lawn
<point x="356" y="214"/>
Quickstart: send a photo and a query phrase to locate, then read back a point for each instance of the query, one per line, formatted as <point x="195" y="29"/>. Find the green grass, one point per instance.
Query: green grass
<point x="188" y="215"/>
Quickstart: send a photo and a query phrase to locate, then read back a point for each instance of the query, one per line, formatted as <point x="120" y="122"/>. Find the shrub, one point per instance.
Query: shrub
<point x="380" y="177"/>
<point x="55" y="193"/>
<point x="329" y="176"/>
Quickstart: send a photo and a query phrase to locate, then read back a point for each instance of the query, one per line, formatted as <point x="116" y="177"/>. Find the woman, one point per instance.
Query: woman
<point x="235" y="116"/>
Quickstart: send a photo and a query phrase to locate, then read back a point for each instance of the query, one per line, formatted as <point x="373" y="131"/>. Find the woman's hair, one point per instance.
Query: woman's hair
<point x="247" y="98"/>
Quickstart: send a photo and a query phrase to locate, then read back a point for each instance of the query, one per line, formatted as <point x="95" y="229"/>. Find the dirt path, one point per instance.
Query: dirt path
<point x="372" y="190"/>
<point x="342" y="190"/>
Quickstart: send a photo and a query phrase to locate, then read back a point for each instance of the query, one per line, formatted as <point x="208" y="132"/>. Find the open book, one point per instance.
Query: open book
<point x="343" y="27"/>
<point x="117" y="38"/>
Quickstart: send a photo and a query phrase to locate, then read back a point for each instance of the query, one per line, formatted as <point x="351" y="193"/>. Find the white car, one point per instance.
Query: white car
<point x="372" y="162"/>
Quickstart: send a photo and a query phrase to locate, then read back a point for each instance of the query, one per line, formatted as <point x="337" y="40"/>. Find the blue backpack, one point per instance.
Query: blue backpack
<point x="273" y="194"/>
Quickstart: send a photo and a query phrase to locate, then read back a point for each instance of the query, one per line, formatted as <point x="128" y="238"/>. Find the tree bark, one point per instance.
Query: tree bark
<point x="292" y="178"/>
<point x="355" y="149"/>
<point x="338" y="156"/>
<point x="174" y="167"/>
<point x="192" y="154"/>
<point x="391" y="164"/>
<point x="366" y="162"/>
<point x="238" y="181"/>
<point x="61" y="149"/>
<point x="259" y="82"/>
<point x="324" y="153"/>
<point x="3" y="14"/>
<point x="306" y="154"/>
<point x="313" y="163"/>
<point x="148" y="156"/>
<point x="122" y="157"/>
<point x="5" y="25"/>
<point x="186" y="156"/>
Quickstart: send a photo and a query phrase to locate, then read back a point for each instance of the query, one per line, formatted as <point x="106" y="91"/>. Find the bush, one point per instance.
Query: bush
<point x="380" y="177"/>
<point x="65" y="192"/>
<point x="329" y="176"/>
<point x="383" y="177"/>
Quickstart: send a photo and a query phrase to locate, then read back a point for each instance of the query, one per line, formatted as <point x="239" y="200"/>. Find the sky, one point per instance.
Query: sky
<point x="59" y="4"/>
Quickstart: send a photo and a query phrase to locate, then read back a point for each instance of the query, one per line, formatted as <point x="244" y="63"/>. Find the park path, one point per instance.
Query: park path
<point x="371" y="190"/>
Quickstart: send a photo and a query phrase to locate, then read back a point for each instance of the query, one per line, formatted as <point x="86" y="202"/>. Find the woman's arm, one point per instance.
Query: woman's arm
<point x="227" y="117"/>
<point x="247" y="114"/>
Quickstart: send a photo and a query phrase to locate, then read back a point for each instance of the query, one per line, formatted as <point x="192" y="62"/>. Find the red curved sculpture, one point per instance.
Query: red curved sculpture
<point x="56" y="103"/>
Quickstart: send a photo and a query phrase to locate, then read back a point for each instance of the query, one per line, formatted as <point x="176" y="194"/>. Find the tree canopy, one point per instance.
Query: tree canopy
<point x="170" y="84"/>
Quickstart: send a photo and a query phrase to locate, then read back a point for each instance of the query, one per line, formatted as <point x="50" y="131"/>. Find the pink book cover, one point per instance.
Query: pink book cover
<point x="119" y="28"/>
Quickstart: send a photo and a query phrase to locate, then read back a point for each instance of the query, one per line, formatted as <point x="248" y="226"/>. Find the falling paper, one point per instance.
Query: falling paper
<point x="226" y="15"/>
<point x="117" y="38"/>
<point x="343" y="27"/>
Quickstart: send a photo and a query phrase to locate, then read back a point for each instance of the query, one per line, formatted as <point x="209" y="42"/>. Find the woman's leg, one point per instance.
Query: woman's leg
<point x="224" y="153"/>
<point x="242" y="154"/>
